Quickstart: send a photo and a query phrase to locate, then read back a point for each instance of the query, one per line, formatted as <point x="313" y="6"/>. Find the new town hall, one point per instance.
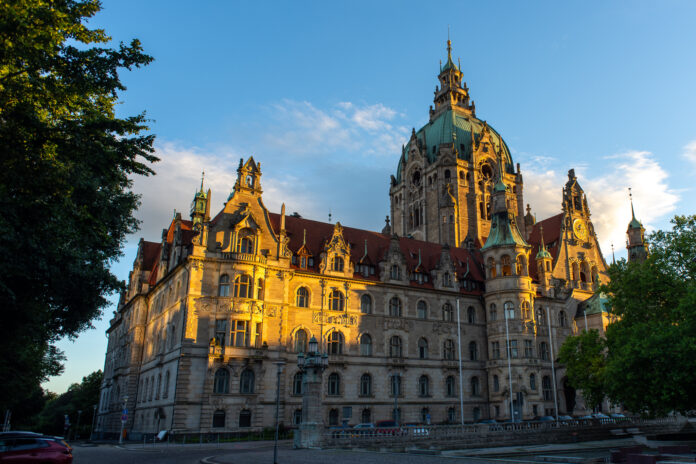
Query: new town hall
<point x="225" y="295"/>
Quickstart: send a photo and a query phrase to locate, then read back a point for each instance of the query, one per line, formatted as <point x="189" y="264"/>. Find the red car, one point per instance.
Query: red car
<point x="34" y="449"/>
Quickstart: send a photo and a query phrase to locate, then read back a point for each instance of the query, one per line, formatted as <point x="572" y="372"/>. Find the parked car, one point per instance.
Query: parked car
<point x="599" y="415"/>
<point x="387" y="427"/>
<point x="417" y="430"/>
<point x="545" y="419"/>
<point x="363" y="429"/>
<point x="30" y="447"/>
<point x="617" y="415"/>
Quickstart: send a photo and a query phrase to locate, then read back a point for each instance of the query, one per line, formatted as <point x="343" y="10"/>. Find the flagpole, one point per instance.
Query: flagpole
<point x="507" y="336"/>
<point x="553" y="370"/>
<point x="461" y="381"/>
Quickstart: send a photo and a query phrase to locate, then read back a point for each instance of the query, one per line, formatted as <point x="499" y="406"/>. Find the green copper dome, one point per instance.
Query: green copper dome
<point x="543" y="254"/>
<point x="452" y="127"/>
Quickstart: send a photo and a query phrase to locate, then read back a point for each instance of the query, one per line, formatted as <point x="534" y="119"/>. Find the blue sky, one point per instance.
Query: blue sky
<point x="324" y="94"/>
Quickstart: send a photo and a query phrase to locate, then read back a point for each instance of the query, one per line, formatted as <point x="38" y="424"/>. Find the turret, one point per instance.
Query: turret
<point x="200" y="207"/>
<point x="544" y="261"/>
<point x="635" y="245"/>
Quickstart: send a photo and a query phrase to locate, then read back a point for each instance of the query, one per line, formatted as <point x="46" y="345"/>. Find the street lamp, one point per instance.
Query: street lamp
<point x="94" y="417"/>
<point x="77" y="426"/>
<point x="280" y="365"/>
<point x="124" y="419"/>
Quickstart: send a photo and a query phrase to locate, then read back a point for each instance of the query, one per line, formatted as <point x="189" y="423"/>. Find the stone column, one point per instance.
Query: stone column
<point x="308" y="435"/>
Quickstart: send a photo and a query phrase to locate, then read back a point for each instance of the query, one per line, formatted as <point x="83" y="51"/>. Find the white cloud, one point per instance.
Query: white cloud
<point x="179" y="178"/>
<point x="690" y="151"/>
<point x="607" y="195"/>
<point x="346" y="128"/>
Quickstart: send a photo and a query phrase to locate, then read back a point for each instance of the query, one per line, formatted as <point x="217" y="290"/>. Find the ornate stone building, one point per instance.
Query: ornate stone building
<point x="212" y="306"/>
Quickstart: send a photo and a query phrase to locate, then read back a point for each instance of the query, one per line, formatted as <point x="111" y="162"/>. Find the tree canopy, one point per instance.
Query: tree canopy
<point x="649" y="353"/>
<point x="66" y="165"/>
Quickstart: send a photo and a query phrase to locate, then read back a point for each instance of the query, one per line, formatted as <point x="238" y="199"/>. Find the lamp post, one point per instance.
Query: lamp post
<point x="77" y="426"/>
<point x="312" y="365"/>
<point x="280" y="365"/>
<point x="124" y="419"/>
<point x="94" y="417"/>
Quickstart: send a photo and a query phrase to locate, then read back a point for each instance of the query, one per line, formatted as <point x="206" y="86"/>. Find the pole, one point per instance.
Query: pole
<point x="275" y="444"/>
<point x="94" y="417"/>
<point x="507" y="342"/>
<point x="77" y="426"/>
<point x="461" y="381"/>
<point x="553" y="370"/>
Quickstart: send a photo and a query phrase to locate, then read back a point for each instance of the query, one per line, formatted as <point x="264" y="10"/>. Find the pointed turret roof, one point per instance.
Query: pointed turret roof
<point x="543" y="252"/>
<point x="635" y="223"/>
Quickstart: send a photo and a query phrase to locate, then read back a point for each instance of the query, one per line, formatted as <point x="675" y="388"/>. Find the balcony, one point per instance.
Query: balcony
<point x="244" y="257"/>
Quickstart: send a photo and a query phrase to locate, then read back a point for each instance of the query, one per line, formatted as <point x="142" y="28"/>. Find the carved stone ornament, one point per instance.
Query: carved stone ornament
<point x="338" y="319"/>
<point x="442" y="328"/>
<point x="398" y="324"/>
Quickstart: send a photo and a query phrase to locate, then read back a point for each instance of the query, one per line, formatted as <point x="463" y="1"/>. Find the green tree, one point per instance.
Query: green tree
<point x="651" y="348"/>
<point x="79" y="397"/>
<point x="648" y="360"/>
<point x="585" y="361"/>
<point x="66" y="163"/>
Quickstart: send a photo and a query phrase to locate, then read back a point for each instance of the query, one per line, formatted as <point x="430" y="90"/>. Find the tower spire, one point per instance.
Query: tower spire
<point x="630" y="197"/>
<point x="202" y="179"/>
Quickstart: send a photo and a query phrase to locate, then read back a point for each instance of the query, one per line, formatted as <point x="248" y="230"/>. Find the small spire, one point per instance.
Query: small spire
<point x="541" y="234"/>
<point x="202" y="179"/>
<point x="282" y="217"/>
<point x="630" y="197"/>
<point x="329" y="215"/>
<point x="304" y="237"/>
<point x="613" y="257"/>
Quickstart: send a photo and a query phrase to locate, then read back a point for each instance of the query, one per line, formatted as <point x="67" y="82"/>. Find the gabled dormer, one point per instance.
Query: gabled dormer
<point x="248" y="177"/>
<point x="335" y="259"/>
<point x="393" y="267"/>
<point x="445" y="275"/>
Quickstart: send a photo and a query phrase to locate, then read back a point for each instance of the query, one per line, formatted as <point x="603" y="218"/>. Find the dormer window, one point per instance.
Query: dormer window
<point x="395" y="272"/>
<point x="337" y="264"/>
<point x="245" y="242"/>
<point x="250" y="180"/>
<point x="303" y="262"/>
<point x="446" y="279"/>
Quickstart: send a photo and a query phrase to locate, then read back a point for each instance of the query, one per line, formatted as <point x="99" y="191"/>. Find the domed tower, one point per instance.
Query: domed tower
<point x="509" y="300"/>
<point x="443" y="185"/>
<point x="544" y="262"/>
<point x="635" y="245"/>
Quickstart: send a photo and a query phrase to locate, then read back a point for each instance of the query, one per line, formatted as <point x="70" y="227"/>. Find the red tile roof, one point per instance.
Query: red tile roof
<point x="552" y="240"/>
<point x="318" y="233"/>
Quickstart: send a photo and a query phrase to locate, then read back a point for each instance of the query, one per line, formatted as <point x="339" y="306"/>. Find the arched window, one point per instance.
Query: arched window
<point x="422" y="310"/>
<point x="243" y="286"/>
<point x="246" y="382"/>
<point x="447" y="312"/>
<point x="492" y="271"/>
<point x="395" y="307"/>
<point x="451" y="415"/>
<point x="576" y="271"/>
<point x="541" y="315"/>
<point x="395" y="273"/>
<point x="337" y="264"/>
<point x="366" y="304"/>
<point x="222" y="381"/>
<point x="506" y="266"/>
<point x="157" y="388"/>
<point x="336" y="300"/>
<point x="477" y="414"/>
<point x="423" y="348"/>
<point x="336" y="343"/>
<point x="446" y="279"/>
<point x="521" y="265"/>
<point x="302" y="297"/>
<point x="165" y="385"/>
<point x="366" y="385"/>
<point x="224" y="285"/>
<point x="423" y="386"/>
<point x="365" y="345"/>
<point x="544" y="351"/>
<point x="473" y="351"/>
<point x="584" y="272"/>
<point x="245" y="418"/>
<point x="496" y="383"/>
<point x="334" y="384"/>
<point x="301" y="341"/>
<point x="471" y="315"/>
<point x="562" y="319"/>
<point x="509" y="310"/>
<point x="297" y="383"/>
<point x="475" y="388"/>
<point x="333" y="417"/>
<point x="366" y="416"/>
<point x="525" y="310"/>
<point x="219" y="418"/>
<point x="395" y="348"/>
<point x="448" y="352"/>
<point x="450" y="386"/>
<point x="245" y="244"/>
<point x="297" y="416"/>
<point x="532" y="381"/>
<point x="546" y="388"/>
<point x="493" y="312"/>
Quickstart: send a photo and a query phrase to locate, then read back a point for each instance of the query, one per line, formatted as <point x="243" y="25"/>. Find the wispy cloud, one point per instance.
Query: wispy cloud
<point x="607" y="194"/>
<point x="690" y="152"/>
<point x="344" y="129"/>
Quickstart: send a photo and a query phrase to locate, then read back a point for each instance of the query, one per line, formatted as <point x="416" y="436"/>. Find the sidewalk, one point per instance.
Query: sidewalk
<point x="551" y="448"/>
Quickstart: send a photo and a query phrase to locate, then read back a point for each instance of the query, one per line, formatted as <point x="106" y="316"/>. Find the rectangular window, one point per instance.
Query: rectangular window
<point x="528" y="349"/>
<point x="240" y="333"/>
<point x="495" y="350"/>
<point x="512" y="349"/>
<point x="220" y="331"/>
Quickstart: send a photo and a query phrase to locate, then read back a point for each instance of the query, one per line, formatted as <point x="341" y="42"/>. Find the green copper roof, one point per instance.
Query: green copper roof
<point x="635" y="224"/>
<point x="543" y="254"/>
<point x="451" y="127"/>
<point x="504" y="232"/>
<point x="596" y="304"/>
<point x="449" y="65"/>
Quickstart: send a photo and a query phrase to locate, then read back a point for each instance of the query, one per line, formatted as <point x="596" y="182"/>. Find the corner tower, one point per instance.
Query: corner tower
<point x="443" y="186"/>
